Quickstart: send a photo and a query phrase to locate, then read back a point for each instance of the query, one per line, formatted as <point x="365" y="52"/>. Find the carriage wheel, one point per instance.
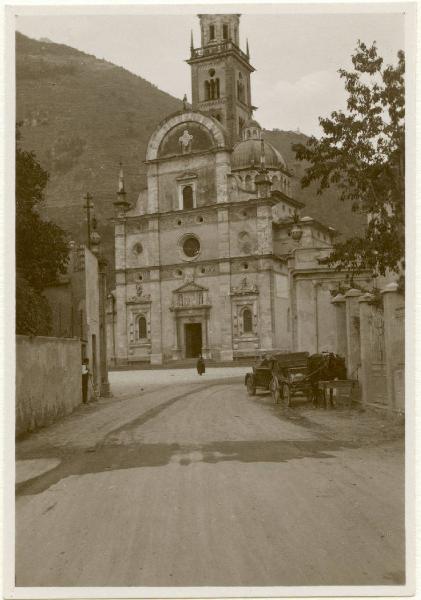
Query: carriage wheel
<point x="251" y="388"/>
<point x="286" y="395"/>
<point x="274" y="390"/>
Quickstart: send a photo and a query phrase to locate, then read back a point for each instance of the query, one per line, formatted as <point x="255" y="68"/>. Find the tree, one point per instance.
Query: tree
<point x="362" y="153"/>
<point x="41" y="247"/>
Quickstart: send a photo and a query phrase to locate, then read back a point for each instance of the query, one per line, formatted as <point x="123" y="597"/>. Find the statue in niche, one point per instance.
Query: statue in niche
<point x="185" y="142"/>
<point x="139" y="289"/>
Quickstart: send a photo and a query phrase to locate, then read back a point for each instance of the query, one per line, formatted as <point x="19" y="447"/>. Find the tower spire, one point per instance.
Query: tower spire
<point x="247" y="48"/>
<point x="191" y="41"/>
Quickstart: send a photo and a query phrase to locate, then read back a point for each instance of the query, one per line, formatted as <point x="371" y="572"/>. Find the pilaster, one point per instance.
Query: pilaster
<point x="264" y="229"/>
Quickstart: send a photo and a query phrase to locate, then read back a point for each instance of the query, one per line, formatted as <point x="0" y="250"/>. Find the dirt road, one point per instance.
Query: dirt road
<point x="198" y="484"/>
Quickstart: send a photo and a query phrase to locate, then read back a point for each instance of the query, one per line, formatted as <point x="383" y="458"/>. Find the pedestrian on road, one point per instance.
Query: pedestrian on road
<point x="85" y="379"/>
<point x="200" y="365"/>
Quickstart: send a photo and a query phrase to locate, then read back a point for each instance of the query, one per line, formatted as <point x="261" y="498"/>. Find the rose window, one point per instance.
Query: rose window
<point x="191" y="247"/>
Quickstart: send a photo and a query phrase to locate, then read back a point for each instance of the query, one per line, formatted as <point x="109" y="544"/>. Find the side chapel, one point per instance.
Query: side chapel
<point x="216" y="256"/>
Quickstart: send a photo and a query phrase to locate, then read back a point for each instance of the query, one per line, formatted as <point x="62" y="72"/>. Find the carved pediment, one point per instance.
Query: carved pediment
<point x="190" y="286"/>
<point x="190" y="294"/>
<point x="188" y="175"/>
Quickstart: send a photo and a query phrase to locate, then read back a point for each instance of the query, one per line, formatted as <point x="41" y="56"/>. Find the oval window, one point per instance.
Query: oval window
<point x="191" y="247"/>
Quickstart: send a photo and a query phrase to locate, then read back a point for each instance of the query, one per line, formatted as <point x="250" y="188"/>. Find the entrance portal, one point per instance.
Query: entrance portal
<point x="193" y="337"/>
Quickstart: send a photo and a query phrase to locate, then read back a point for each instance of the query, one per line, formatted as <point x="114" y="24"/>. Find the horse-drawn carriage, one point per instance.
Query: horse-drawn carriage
<point x="295" y="373"/>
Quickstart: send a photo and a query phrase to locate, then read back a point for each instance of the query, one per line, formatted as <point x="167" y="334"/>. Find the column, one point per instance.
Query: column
<point x="365" y="329"/>
<point x="353" y="332"/>
<point x="340" y="321"/>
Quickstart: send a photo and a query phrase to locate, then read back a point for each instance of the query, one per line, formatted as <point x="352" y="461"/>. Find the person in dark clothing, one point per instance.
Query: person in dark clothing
<point x="200" y="365"/>
<point x="85" y="379"/>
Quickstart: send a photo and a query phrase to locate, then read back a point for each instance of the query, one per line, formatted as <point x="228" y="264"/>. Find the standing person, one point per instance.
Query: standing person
<point x="200" y="365"/>
<point x="85" y="379"/>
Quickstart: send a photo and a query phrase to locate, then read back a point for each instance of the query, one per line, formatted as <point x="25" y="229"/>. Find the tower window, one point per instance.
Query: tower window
<point x="212" y="32"/>
<point x="225" y="32"/>
<point x="188" y="197"/>
<point x="207" y="90"/>
<point x="247" y="321"/>
<point x="141" y="328"/>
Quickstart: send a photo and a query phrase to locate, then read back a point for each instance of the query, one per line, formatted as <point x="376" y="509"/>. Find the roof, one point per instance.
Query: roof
<point x="247" y="153"/>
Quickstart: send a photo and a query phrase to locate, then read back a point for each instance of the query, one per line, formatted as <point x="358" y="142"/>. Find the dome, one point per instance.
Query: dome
<point x="246" y="155"/>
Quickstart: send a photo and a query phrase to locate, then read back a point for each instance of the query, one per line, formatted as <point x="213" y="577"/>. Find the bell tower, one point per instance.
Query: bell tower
<point x="220" y="73"/>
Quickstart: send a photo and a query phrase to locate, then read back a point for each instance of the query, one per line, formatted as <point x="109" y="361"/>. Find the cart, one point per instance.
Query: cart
<point x="284" y="375"/>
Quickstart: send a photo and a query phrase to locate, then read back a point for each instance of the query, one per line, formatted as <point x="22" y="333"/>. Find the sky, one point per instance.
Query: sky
<point x="296" y="55"/>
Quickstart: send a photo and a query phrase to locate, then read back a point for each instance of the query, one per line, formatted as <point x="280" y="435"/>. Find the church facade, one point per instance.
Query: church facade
<point x="216" y="257"/>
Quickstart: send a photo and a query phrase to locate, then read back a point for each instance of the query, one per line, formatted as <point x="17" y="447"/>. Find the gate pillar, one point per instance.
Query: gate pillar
<point x="394" y="343"/>
<point x="341" y="345"/>
<point x="366" y="358"/>
<point x="353" y="332"/>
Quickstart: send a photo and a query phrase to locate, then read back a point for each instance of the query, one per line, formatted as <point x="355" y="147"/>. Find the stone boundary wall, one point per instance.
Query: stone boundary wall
<point x="372" y="337"/>
<point x="48" y="380"/>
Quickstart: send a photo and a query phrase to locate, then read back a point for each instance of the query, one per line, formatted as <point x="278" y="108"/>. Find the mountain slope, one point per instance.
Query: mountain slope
<point x="82" y="116"/>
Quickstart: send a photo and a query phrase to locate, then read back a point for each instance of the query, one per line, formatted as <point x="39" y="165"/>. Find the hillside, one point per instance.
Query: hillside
<point x="82" y="116"/>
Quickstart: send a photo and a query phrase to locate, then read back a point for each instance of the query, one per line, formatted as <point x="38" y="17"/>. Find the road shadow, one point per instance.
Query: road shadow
<point x="114" y="457"/>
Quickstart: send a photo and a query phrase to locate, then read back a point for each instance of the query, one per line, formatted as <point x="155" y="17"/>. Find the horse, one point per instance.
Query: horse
<point x="324" y="367"/>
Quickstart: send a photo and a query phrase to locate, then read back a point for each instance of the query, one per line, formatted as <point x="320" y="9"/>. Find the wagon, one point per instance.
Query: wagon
<point x="284" y="375"/>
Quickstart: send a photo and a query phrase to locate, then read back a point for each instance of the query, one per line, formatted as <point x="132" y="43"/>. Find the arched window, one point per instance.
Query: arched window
<point x="187" y="197"/>
<point x="142" y="332"/>
<point x="207" y="90"/>
<point x="225" y="32"/>
<point x="275" y="182"/>
<point x="247" y="321"/>
<point x="217" y="88"/>
<point x="212" y="32"/>
<point x="240" y="87"/>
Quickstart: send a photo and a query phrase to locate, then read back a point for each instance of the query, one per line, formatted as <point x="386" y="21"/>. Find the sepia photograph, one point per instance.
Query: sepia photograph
<point x="210" y="261"/>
